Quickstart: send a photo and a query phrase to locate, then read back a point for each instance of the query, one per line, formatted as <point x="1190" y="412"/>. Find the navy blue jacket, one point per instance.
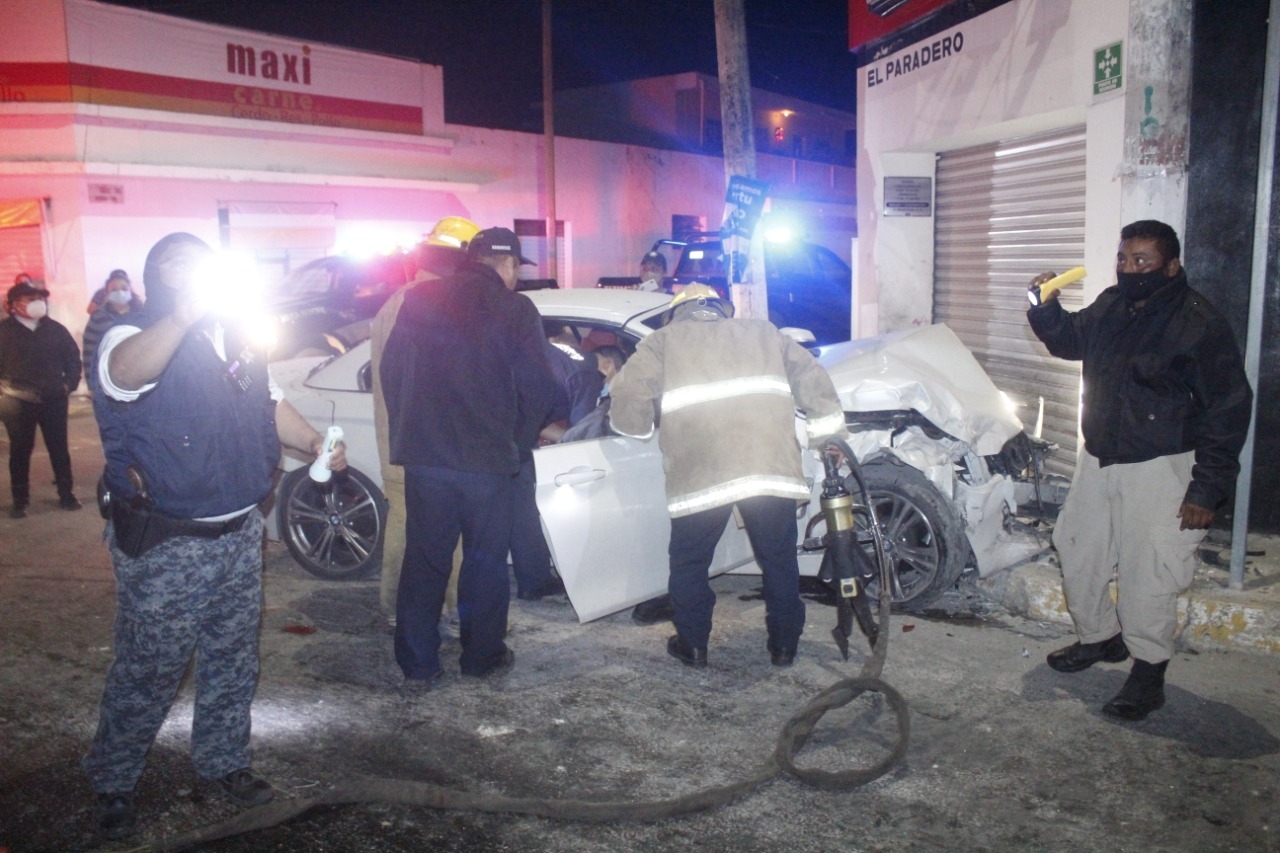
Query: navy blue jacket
<point x="205" y="447"/>
<point x="465" y="375"/>
<point x="579" y="382"/>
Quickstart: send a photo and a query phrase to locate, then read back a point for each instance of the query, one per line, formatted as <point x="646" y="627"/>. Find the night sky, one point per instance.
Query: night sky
<point x="491" y="50"/>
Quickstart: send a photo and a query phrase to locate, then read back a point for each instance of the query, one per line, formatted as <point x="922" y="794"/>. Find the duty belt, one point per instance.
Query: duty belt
<point x="139" y="529"/>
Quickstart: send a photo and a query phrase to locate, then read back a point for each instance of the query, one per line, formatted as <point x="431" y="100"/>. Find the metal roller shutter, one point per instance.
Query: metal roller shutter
<point x="1005" y="213"/>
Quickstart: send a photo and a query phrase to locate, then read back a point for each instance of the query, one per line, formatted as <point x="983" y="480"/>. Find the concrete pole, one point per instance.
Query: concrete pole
<point x="1157" y="112"/>
<point x="735" y="90"/>
<point x="549" y="142"/>
<point x="739" y="143"/>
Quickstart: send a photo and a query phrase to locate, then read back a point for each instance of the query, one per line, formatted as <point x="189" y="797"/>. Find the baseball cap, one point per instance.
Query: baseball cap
<point x="26" y="288"/>
<point x="496" y="241"/>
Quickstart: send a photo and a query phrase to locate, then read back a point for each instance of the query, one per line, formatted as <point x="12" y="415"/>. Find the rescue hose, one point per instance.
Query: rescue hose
<point x="794" y="735"/>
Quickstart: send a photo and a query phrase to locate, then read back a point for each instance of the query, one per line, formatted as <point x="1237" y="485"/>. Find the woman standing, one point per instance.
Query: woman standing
<point x="120" y="299"/>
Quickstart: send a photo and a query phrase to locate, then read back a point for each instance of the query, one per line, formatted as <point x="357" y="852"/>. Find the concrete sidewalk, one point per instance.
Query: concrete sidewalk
<point x="1211" y="616"/>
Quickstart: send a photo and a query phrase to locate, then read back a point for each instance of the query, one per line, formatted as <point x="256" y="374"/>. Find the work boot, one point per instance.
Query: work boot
<point x="116" y="817"/>
<point x="695" y="656"/>
<point x="782" y="655"/>
<point x="246" y="788"/>
<point x="653" y="611"/>
<point x="1142" y="693"/>
<point x="555" y="586"/>
<point x="1078" y="656"/>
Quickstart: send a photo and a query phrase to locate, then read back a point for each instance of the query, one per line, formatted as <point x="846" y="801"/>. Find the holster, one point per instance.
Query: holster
<point x="138" y="529"/>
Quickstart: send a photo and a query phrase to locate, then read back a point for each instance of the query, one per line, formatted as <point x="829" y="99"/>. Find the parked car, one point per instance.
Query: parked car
<point x="809" y="286"/>
<point x="943" y="456"/>
<point x="327" y="306"/>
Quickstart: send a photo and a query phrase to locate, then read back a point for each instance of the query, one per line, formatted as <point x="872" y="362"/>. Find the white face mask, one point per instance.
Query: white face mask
<point x="37" y="308"/>
<point x="119" y="297"/>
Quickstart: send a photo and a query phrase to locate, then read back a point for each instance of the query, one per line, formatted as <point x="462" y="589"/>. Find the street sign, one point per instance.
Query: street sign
<point x="744" y="202"/>
<point x="1108" y="68"/>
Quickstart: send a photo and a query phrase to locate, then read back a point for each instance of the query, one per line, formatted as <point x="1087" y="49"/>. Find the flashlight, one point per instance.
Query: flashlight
<point x="228" y="286"/>
<point x="1037" y="295"/>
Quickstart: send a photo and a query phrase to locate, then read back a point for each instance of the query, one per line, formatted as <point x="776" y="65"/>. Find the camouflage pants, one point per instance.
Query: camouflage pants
<point x="185" y="596"/>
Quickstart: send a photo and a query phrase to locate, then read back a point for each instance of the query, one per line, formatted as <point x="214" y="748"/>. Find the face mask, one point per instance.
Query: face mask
<point x="37" y="308"/>
<point x="1137" y="286"/>
<point x="119" y="297"/>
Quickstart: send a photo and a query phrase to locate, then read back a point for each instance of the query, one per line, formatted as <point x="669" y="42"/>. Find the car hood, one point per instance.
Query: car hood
<point x="927" y="369"/>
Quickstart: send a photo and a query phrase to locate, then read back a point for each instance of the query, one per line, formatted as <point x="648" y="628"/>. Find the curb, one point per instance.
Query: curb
<point x="1211" y="617"/>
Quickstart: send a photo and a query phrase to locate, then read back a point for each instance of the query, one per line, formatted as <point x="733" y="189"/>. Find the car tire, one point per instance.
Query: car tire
<point x="924" y="535"/>
<point x="334" y="530"/>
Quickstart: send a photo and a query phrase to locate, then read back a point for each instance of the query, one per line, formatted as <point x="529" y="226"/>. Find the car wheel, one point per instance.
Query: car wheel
<point x="334" y="529"/>
<point x="924" y="536"/>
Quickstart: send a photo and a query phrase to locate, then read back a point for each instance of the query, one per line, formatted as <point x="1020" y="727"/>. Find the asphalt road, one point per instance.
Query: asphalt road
<point x="1005" y="754"/>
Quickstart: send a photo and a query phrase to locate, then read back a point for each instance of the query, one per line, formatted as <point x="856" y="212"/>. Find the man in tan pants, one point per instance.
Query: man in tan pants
<point x="1165" y="413"/>
<point x="437" y="257"/>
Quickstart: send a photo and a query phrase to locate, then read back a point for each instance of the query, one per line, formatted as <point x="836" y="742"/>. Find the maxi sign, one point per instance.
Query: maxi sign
<point x="118" y="57"/>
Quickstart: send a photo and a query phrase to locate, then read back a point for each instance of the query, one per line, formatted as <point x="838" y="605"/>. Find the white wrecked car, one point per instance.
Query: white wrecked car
<point x="941" y="452"/>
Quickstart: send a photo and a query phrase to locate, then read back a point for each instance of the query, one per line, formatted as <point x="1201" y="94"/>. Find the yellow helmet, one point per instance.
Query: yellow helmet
<point x="454" y="232"/>
<point x="701" y="294"/>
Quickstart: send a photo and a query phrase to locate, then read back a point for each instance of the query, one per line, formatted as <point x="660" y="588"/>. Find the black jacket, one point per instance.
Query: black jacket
<point x="1163" y="379"/>
<point x="465" y="375"/>
<point x="44" y="362"/>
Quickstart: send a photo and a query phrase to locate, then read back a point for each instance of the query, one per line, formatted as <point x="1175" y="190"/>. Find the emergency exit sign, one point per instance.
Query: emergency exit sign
<point x="1108" y="69"/>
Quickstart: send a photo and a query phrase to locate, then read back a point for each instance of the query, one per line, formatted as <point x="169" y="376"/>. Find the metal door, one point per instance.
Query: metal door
<point x="1007" y="211"/>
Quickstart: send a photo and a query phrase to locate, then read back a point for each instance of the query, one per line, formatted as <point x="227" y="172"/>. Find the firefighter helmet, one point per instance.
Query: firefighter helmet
<point x="454" y="232"/>
<point x="699" y="294"/>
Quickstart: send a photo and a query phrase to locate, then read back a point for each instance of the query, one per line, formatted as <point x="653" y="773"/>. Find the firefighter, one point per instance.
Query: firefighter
<point x="727" y="391"/>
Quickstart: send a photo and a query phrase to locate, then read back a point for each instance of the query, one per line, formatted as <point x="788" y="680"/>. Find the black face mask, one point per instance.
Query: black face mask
<point x="1137" y="286"/>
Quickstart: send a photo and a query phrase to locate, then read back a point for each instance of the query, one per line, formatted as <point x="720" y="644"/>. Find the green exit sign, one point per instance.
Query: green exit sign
<point x="1108" y="68"/>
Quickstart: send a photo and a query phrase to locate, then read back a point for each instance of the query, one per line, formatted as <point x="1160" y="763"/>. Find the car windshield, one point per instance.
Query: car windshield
<point x="315" y="279"/>
<point x="701" y="259"/>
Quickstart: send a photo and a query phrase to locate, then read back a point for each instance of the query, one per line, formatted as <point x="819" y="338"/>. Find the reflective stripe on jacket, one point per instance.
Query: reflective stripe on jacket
<point x="725" y="392"/>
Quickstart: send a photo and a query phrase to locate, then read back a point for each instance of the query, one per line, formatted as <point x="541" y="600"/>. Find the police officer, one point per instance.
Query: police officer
<point x="191" y="427"/>
<point x="467" y="387"/>
<point x="436" y="257"/>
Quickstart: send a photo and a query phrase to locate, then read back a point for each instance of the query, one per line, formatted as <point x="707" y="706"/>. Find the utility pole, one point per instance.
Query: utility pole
<point x="549" y="142"/>
<point x="739" y="146"/>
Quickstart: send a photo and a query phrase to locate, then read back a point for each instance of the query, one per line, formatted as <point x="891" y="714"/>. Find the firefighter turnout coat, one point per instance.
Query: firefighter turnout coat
<point x="725" y="393"/>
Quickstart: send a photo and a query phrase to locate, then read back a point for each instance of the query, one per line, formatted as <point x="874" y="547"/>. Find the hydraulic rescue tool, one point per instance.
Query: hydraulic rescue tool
<point x="846" y="566"/>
